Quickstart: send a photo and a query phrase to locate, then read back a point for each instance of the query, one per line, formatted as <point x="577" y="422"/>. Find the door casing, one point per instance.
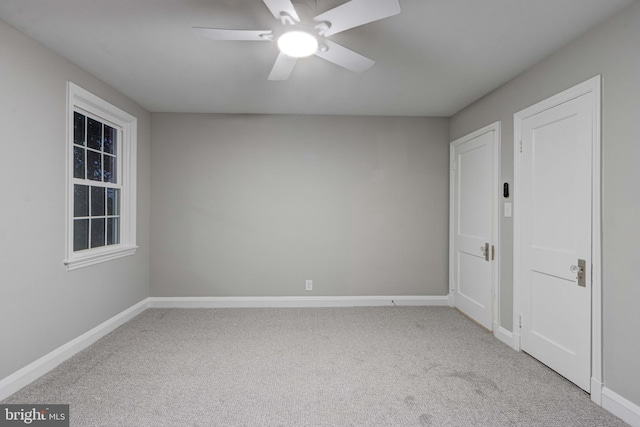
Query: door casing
<point x="593" y="86"/>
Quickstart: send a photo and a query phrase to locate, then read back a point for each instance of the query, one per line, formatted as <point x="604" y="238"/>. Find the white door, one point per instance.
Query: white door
<point x="555" y="216"/>
<point x="473" y="227"/>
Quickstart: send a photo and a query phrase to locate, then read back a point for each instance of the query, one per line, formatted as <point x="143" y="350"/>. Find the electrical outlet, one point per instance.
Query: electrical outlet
<point x="308" y="285"/>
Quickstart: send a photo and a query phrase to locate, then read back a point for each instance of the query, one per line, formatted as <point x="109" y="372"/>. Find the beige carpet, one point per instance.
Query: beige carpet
<point x="379" y="366"/>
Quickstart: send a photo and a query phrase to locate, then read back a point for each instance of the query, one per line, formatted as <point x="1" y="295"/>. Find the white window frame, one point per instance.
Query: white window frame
<point x="80" y="99"/>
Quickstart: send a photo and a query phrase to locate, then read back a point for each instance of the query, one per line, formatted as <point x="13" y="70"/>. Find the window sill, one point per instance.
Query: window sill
<point x="98" y="256"/>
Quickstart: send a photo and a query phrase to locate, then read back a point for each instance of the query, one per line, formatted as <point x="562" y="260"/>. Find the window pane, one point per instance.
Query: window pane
<point x="94" y="134"/>
<point x="113" y="231"/>
<point x="113" y="201"/>
<point x="97" y="232"/>
<point x="80" y="200"/>
<point x="97" y="201"/>
<point x="94" y="165"/>
<point x="78" y="162"/>
<point x="80" y="234"/>
<point x="110" y="136"/>
<point x="78" y="128"/>
<point x="109" y="168"/>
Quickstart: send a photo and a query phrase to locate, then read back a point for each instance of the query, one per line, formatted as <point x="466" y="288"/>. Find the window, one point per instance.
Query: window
<point x="101" y="180"/>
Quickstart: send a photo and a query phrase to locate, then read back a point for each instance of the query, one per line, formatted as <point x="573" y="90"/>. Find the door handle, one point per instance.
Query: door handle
<point x="579" y="270"/>
<point x="485" y="251"/>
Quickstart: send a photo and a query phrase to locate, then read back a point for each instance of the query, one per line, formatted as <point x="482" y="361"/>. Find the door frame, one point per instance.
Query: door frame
<point x="593" y="86"/>
<point x="495" y="215"/>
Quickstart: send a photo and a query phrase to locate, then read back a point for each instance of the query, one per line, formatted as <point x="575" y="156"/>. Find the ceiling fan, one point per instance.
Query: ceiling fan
<point x="299" y="38"/>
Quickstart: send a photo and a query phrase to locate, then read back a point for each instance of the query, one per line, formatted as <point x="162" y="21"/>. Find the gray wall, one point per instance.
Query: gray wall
<point x="254" y="205"/>
<point x="613" y="50"/>
<point x="42" y="306"/>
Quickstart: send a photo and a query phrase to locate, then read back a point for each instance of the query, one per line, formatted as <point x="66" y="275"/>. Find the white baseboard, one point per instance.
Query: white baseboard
<point x="337" y="301"/>
<point x="516" y="341"/>
<point x="451" y="300"/>
<point x="503" y="335"/>
<point x="36" y="369"/>
<point x="622" y="408"/>
<point x="596" y="391"/>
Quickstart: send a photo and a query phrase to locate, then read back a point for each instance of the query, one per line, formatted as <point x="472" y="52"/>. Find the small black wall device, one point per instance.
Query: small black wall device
<point x="505" y="190"/>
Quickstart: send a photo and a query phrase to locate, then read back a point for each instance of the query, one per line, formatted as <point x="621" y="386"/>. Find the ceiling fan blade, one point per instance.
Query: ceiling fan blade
<point x="278" y="6"/>
<point x="230" y="35"/>
<point x="357" y="12"/>
<point x="344" y="57"/>
<point x="283" y="67"/>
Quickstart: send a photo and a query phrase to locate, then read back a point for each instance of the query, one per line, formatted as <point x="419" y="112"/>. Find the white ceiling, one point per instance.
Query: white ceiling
<point x="433" y="59"/>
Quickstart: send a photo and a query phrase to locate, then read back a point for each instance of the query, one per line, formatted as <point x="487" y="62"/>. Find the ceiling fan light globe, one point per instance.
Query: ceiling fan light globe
<point x="297" y="44"/>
